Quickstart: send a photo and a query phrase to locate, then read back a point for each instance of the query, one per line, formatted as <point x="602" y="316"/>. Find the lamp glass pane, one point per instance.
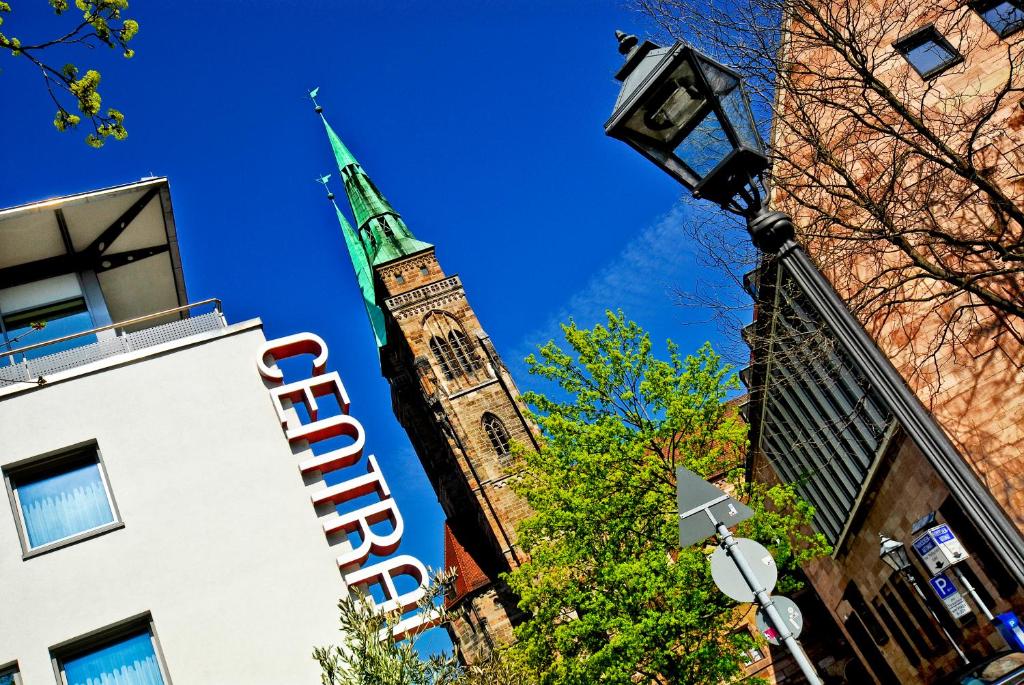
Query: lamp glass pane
<point x="672" y="104"/>
<point x="705" y="146"/>
<point x="737" y="110"/>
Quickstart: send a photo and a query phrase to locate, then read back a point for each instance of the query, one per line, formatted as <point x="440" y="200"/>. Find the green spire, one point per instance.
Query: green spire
<point x="364" y="276"/>
<point x="383" y="234"/>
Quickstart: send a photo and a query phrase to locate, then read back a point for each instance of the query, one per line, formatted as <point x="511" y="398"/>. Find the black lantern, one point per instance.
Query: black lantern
<point x="894" y="553"/>
<point x="689" y="115"/>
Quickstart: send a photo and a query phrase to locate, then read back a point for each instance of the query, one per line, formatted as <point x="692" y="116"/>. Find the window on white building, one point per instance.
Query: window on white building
<point x="41" y="311"/>
<point x="127" y="655"/>
<point x="9" y="675"/>
<point x="61" y="499"/>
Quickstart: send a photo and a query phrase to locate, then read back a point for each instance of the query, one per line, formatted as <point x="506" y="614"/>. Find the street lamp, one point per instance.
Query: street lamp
<point x="689" y="115"/>
<point x="894" y="553"/>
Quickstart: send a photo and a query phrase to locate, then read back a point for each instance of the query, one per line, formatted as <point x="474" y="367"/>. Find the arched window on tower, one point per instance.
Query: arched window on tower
<point x="443" y="355"/>
<point x="464" y="353"/>
<point x="497" y="434"/>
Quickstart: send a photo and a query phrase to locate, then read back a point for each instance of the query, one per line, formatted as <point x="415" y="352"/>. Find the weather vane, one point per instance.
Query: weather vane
<point x="312" y="96"/>
<point x="326" y="177"/>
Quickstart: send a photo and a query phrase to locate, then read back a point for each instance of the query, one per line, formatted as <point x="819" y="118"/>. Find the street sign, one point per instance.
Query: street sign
<point x="939" y="548"/>
<point x="946" y="590"/>
<point x="791" y="616"/>
<point x="695" y="498"/>
<point x="728" y="577"/>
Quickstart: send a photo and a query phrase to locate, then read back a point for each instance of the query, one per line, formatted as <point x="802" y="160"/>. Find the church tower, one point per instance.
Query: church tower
<point x="454" y="397"/>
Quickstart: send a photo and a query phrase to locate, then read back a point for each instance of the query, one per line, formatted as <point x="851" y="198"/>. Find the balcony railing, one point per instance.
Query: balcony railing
<point x="112" y="340"/>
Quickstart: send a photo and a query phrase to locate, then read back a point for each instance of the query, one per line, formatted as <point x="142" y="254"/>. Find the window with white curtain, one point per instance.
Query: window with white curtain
<point x="61" y="499"/>
<point x="9" y="676"/>
<point x="121" y="657"/>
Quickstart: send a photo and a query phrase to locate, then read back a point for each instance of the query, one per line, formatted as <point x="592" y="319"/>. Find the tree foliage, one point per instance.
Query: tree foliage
<point x="612" y="599"/>
<point x="907" y="190"/>
<point x="99" y="23"/>
<point x="368" y="656"/>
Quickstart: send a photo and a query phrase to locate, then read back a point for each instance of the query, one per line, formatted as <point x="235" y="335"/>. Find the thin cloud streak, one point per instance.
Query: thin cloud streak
<point x="639" y="281"/>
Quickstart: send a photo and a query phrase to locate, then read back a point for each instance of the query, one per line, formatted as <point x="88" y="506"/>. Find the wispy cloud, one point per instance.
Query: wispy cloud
<point x="639" y="280"/>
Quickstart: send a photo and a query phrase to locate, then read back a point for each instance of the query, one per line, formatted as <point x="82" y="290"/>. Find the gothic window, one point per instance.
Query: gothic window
<point x="498" y="435"/>
<point x="443" y="355"/>
<point x="466" y="356"/>
<point x="386" y="227"/>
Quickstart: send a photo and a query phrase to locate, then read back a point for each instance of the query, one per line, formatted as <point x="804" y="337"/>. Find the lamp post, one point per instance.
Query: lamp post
<point x="894" y="553"/>
<point x="690" y="116"/>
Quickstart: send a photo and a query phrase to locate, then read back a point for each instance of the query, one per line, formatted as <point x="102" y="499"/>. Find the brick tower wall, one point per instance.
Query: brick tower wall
<point x="446" y="394"/>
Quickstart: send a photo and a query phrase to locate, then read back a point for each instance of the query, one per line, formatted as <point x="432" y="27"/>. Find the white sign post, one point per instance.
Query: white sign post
<point x="704" y="510"/>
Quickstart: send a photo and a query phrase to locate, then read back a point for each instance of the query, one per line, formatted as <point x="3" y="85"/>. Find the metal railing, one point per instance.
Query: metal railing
<point x="29" y="369"/>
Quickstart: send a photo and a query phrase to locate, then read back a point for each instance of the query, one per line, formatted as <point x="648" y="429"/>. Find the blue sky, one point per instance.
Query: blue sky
<point x="480" y="121"/>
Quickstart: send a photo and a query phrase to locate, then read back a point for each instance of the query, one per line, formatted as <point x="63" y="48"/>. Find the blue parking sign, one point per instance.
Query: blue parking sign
<point x="943" y="585"/>
<point x="942" y="534"/>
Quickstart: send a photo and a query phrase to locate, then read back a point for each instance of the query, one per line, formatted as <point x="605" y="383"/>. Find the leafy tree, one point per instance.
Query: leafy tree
<point x="612" y="599"/>
<point x="364" y="658"/>
<point x="101" y="23"/>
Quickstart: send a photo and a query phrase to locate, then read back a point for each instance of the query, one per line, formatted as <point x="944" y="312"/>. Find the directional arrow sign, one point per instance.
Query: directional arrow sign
<point x="696" y="498"/>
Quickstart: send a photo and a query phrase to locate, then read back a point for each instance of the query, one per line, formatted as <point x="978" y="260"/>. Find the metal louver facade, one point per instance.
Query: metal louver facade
<point x="818" y="421"/>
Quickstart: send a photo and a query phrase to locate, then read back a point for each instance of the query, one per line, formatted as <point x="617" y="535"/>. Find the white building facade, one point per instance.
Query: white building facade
<point x="158" y="528"/>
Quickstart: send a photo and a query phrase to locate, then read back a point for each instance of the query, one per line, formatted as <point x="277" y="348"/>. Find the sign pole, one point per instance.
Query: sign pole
<point x="920" y="593"/>
<point x="973" y="593"/>
<point x="765" y="601"/>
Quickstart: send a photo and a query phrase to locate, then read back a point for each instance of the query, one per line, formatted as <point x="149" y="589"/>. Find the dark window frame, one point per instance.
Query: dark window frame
<point x="11" y="669"/>
<point x="49" y="462"/>
<point x="497" y="434"/>
<point x="928" y="34"/>
<point x="106" y="636"/>
<point x="986" y="5"/>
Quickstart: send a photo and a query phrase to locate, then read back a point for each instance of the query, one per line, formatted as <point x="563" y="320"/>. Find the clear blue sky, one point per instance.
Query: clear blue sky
<point x="480" y="121"/>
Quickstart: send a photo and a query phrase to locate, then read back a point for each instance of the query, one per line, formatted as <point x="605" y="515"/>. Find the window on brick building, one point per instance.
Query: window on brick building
<point x="498" y="435"/>
<point x="1003" y="16"/>
<point x="424" y="271"/>
<point x="928" y="52"/>
<point x="399" y="278"/>
<point x="443" y="355"/>
<point x="464" y="353"/>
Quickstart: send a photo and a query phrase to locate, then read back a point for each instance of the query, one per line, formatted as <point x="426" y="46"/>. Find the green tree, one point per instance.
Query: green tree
<point x="101" y="23"/>
<point x="363" y="658"/>
<point x="611" y="597"/>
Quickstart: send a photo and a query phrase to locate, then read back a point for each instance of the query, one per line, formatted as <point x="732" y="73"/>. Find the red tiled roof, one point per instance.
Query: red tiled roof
<point x="469" y="576"/>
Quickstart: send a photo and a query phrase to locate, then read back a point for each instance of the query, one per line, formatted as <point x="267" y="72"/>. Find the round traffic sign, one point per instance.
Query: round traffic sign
<point x="728" y="577"/>
<point x="791" y="616"/>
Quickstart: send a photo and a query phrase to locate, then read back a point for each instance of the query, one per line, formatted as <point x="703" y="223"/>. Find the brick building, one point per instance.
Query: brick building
<point x="930" y="123"/>
<point x="454" y="397"/>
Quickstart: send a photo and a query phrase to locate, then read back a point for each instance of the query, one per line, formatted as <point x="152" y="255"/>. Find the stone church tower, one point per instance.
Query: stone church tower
<point x="454" y="397"/>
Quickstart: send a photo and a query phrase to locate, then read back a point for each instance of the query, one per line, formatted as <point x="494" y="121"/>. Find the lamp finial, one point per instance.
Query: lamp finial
<point x="626" y="42"/>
